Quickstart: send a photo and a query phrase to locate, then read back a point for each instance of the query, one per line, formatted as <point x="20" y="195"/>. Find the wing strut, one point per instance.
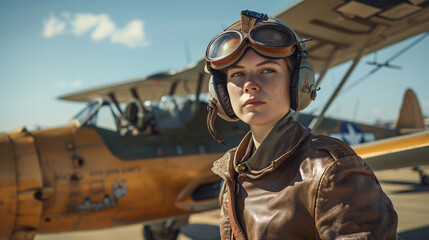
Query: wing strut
<point x="135" y="94"/>
<point x="198" y="90"/>
<point x="173" y="87"/>
<point x="374" y="34"/>
<point x="326" y="66"/>
<point x="115" y="101"/>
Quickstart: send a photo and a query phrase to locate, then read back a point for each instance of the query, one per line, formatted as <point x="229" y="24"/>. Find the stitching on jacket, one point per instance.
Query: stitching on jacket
<point x="316" y="199"/>
<point x="221" y="166"/>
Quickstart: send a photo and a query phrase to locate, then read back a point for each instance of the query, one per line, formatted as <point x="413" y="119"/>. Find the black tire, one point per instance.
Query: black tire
<point x="425" y="180"/>
<point x="162" y="235"/>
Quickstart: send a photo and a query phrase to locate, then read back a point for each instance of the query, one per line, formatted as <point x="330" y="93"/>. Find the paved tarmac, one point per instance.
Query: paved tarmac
<point x="409" y="197"/>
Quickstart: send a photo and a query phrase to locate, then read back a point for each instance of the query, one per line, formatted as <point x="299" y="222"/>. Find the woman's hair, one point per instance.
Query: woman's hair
<point x="290" y="64"/>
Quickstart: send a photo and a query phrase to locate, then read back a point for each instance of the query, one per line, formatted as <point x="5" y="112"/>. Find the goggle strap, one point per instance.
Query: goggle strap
<point x="211" y="117"/>
<point x="247" y="23"/>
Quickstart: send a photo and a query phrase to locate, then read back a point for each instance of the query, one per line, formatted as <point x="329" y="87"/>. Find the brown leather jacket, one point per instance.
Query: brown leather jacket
<point x="300" y="186"/>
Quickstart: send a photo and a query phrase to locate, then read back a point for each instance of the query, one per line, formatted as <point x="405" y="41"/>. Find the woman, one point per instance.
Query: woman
<point x="282" y="182"/>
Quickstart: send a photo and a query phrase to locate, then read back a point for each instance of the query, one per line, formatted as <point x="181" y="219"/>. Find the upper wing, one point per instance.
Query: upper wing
<point x="335" y="25"/>
<point x="181" y="81"/>
<point x="346" y="25"/>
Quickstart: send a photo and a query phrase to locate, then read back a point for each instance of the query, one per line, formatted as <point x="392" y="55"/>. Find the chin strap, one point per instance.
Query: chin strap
<point x="211" y="117"/>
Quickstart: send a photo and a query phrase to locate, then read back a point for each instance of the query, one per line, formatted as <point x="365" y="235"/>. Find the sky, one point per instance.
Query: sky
<point x="53" y="48"/>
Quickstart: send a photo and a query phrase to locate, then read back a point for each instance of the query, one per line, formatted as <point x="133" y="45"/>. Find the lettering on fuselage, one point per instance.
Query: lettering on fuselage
<point x="352" y="134"/>
<point x="113" y="171"/>
<point x="119" y="189"/>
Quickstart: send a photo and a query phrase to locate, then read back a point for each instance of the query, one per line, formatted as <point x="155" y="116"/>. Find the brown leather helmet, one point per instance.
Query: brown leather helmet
<point x="269" y="37"/>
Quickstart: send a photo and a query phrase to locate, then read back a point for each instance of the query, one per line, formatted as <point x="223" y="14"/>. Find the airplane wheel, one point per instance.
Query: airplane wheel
<point x="425" y="180"/>
<point x="164" y="234"/>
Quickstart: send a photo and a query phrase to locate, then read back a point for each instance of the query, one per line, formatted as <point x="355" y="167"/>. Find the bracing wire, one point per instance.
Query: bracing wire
<point x="378" y="67"/>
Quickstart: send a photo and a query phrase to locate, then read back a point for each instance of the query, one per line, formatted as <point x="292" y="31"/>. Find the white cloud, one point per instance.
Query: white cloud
<point x="98" y="26"/>
<point x="68" y="84"/>
<point x="104" y="28"/>
<point x="83" y="22"/>
<point x="132" y="35"/>
<point x="52" y="27"/>
<point x="65" y="14"/>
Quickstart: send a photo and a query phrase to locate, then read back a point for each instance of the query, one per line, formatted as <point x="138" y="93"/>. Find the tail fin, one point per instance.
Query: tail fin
<point x="410" y="118"/>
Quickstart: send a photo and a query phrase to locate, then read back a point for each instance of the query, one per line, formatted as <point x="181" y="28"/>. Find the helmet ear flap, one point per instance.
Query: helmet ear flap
<point x="302" y="84"/>
<point x="219" y="92"/>
<point x="219" y="104"/>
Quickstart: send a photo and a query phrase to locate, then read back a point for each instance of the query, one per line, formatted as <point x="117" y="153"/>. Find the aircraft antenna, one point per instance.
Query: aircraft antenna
<point x="187" y="53"/>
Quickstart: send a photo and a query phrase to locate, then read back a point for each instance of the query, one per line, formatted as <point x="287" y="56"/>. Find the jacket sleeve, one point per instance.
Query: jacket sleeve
<point x="350" y="203"/>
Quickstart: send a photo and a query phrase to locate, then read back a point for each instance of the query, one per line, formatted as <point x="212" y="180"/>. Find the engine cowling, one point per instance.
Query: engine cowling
<point x="20" y="185"/>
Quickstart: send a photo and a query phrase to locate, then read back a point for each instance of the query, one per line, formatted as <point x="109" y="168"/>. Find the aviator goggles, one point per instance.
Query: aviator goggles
<point x="269" y="39"/>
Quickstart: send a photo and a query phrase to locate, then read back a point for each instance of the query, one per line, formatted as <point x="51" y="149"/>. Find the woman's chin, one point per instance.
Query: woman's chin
<point x="260" y="119"/>
<point x="256" y="119"/>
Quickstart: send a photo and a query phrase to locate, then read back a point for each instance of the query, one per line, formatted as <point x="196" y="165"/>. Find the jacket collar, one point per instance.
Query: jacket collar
<point x="279" y="144"/>
<point x="224" y="167"/>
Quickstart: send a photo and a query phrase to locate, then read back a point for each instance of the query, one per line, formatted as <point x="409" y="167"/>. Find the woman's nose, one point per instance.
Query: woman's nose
<point x="251" y="85"/>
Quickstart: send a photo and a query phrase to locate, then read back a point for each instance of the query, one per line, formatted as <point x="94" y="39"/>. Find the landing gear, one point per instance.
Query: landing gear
<point x="167" y="230"/>
<point x="424" y="178"/>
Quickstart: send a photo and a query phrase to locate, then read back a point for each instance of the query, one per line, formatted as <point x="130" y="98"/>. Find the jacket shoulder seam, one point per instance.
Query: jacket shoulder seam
<point x="336" y="148"/>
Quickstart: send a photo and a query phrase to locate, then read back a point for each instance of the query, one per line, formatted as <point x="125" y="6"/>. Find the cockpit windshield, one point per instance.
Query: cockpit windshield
<point x="171" y="112"/>
<point x="97" y="114"/>
<point x="89" y="110"/>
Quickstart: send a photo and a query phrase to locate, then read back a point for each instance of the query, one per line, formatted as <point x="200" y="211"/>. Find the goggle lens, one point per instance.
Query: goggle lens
<point x="271" y="37"/>
<point x="224" y="45"/>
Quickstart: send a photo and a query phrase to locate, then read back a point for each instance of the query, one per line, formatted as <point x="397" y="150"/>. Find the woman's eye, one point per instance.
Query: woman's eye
<point x="268" y="70"/>
<point x="237" y="74"/>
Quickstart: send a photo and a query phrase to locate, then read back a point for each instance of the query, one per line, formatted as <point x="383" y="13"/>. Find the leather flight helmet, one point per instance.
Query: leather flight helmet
<point x="256" y="28"/>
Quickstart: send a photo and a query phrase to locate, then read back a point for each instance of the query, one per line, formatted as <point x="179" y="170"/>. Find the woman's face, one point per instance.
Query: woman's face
<point x="259" y="89"/>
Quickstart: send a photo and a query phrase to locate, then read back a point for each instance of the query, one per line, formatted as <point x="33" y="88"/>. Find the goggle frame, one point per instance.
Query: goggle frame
<point x="246" y="40"/>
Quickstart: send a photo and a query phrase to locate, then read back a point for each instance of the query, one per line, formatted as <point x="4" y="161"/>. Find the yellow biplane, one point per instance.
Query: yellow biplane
<point x="140" y="151"/>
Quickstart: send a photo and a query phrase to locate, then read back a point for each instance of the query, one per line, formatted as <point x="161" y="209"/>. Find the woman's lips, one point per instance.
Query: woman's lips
<point x="253" y="103"/>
